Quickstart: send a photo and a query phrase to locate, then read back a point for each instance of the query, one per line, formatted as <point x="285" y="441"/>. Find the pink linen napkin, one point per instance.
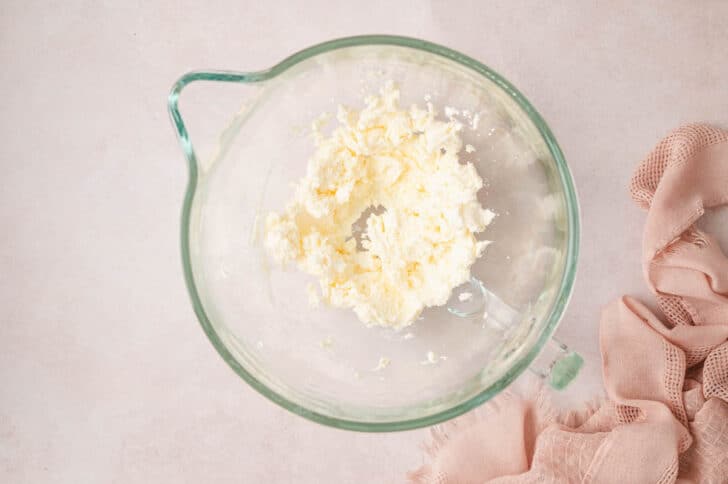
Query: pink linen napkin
<point x="666" y="416"/>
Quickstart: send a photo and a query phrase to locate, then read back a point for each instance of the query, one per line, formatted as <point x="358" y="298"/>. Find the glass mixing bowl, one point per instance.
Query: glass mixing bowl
<point x="252" y="141"/>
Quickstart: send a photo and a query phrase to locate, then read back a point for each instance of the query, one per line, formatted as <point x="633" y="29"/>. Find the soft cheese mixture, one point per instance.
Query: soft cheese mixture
<point x="386" y="215"/>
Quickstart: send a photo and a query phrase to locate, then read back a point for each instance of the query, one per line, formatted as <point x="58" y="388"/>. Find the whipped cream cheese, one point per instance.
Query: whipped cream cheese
<point x="386" y="216"/>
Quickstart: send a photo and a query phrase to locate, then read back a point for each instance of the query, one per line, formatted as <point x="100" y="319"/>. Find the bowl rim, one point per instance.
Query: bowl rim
<point x="567" y="279"/>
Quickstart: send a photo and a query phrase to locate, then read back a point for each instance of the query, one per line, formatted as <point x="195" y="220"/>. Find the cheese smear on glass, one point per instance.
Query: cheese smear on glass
<point x="386" y="216"/>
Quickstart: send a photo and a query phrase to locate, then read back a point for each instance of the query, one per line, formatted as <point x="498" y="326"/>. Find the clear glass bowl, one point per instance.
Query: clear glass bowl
<point x="251" y="133"/>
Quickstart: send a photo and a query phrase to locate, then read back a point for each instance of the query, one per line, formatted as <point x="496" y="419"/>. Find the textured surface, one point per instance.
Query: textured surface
<point x="106" y="376"/>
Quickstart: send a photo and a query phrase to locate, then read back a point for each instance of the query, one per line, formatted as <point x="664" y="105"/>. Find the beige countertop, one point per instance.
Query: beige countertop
<point x="105" y="373"/>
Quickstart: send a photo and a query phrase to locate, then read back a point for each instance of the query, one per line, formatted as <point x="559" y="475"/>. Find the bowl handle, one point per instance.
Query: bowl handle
<point x="557" y="364"/>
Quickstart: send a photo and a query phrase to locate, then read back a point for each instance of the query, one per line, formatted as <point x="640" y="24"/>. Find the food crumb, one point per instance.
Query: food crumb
<point x="319" y="123"/>
<point x="450" y="111"/>
<point x="433" y="358"/>
<point x="469" y="148"/>
<point x="408" y="336"/>
<point x="313" y="297"/>
<point x="326" y="342"/>
<point x="382" y="364"/>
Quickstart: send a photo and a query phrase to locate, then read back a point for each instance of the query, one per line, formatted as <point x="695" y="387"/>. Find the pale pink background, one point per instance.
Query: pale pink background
<point x="105" y="375"/>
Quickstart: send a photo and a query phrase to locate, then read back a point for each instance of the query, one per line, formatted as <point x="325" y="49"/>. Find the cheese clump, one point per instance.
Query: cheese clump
<point x="386" y="216"/>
